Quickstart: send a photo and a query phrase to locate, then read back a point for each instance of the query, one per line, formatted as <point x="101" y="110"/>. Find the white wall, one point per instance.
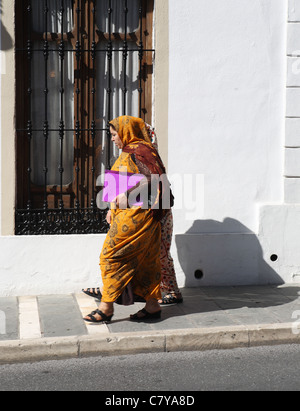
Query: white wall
<point x="227" y="100"/>
<point x="37" y="265"/>
<point x="227" y="81"/>
<point x="1" y="71"/>
<point x="226" y="122"/>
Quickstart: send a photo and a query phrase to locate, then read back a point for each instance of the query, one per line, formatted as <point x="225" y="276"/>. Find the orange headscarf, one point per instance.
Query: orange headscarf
<point x="135" y="137"/>
<point x="131" y="130"/>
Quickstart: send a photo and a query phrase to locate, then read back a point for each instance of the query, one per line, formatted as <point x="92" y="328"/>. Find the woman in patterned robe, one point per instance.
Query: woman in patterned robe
<point x="130" y="258"/>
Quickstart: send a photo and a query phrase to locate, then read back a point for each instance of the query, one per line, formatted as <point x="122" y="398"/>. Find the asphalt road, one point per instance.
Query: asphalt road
<point x="274" y="368"/>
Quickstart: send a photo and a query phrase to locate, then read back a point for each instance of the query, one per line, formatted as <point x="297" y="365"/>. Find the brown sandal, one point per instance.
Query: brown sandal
<point x="93" y="292"/>
<point x="171" y="299"/>
<point x="104" y="318"/>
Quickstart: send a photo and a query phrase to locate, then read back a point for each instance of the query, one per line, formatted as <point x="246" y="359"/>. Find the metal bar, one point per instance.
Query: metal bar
<point x="29" y="94"/>
<point x="125" y="56"/>
<point x="93" y="124"/>
<point x="61" y="125"/>
<point x="115" y="50"/>
<point x="78" y="91"/>
<point x="65" y="129"/>
<point x="141" y="55"/>
<point x="46" y="124"/>
<point x="88" y="108"/>
<point x="109" y="80"/>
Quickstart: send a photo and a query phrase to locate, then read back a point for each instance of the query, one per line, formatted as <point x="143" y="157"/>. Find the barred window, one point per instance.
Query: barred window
<point x="80" y="63"/>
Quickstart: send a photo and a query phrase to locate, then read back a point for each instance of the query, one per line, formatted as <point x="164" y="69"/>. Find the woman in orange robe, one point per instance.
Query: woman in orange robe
<point x="130" y="258"/>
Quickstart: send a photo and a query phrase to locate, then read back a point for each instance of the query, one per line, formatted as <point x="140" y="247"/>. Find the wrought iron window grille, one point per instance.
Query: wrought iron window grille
<point x="69" y="207"/>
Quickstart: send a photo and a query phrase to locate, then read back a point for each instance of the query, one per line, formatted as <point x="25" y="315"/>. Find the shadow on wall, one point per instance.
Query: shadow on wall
<point x="213" y="253"/>
<point x="6" y="40"/>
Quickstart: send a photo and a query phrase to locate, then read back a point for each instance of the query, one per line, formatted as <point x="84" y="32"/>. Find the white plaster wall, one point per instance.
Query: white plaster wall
<point x="227" y="102"/>
<point x="37" y="265"/>
<point x="1" y="71"/>
<point x="226" y="122"/>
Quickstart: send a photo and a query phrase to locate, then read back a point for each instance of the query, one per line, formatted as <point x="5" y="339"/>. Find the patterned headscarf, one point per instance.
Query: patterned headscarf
<point x="131" y="130"/>
<point x="139" y="141"/>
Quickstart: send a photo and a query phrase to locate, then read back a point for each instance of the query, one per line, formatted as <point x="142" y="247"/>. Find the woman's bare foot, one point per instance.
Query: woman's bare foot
<point x="152" y="306"/>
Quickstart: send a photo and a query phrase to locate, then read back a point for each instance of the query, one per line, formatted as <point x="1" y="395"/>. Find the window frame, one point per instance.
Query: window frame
<point x="52" y="199"/>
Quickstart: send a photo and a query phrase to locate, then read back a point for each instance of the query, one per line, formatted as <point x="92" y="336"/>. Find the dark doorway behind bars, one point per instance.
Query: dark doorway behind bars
<point x="80" y="63"/>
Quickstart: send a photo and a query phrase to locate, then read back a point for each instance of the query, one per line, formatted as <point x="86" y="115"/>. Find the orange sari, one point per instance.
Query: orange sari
<point x="131" y="251"/>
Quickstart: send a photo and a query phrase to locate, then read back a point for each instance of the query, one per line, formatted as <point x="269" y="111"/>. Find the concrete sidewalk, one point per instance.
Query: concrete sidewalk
<point x="51" y="327"/>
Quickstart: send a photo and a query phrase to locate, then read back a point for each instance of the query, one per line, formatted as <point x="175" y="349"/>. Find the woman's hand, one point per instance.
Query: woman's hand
<point x="121" y="201"/>
<point x="108" y="217"/>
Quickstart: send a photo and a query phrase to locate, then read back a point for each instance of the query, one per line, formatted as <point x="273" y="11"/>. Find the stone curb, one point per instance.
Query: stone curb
<point x="147" y="342"/>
